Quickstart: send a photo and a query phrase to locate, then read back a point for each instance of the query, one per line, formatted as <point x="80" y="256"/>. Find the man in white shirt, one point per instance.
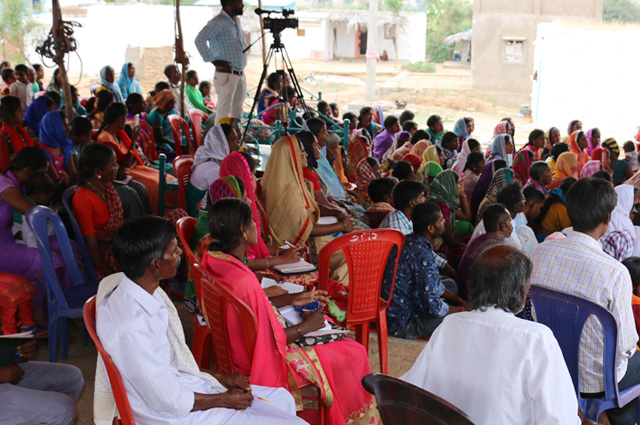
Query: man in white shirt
<point x="137" y="325"/>
<point x="495" y="367"/>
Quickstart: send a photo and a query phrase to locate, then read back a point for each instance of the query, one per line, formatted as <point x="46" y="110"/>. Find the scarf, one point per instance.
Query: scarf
<point x="420" y="147"/>
<point x="501" y="128"/>
<point x="225" y="187"/>
<point x="163" y="97"/>
<point x="448" y="156"/>
<point x="126" y="84"/>
<point x="498" y="146"/>
<point x="428" y="169"/>
<point x="53" y="134"/>
<point x="338" y="167"/>
<point x="501" y="178"/>
<point x="461" y="159"/>
<point x="444" y="189"/>
<point x="364" y="175"/>
<point x="431" y="154"/>
<point x="359" y="146"/>
<point x="581" y="154"/>
<point x="602" y="155"/>
<point x="460" y="128"/>
<point x="34" y="113"/>
<point x="521" y="165"/>
<point x="566" y="166"/>
<point x="618" y="244"/>
<point x="611" y="144"/>
<point x="590" y="146"/>
<point x="329" y="177"/>
<point x="215" y="147"/>
<point x="590" y="168"/>
<point x="412" y="159"/>
<point x="111" y="86"/>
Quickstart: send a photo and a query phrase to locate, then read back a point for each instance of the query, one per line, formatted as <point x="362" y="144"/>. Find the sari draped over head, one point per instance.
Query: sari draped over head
<point x="521" y="165"/>
<point x="412" y="159"/>
<point x="501" y="128"/>
<point x="235" y="165"/>
<point x="483" y="184"/>
<point x="225" y="187"/>
<point x="581" y="154"/>
<point x="364" y="175"/>
<point x="359" y="145"/>
<point x="431" y="154"/>
<point x="590" y="146"/>
<point x="53" y="134"/>
<point x="338" y="167"/>
<point x="428" y="169"/>
<point x="444" y="189"/>
<point x="602" y="155"/>
<point x="590" y="168"/>
<point x="460" y="128"/>
<point x="294" y="219"/>
<point x="215" y="147"/>
<point x="461" y="159"/>
<point x="114" y="87"/>
<point x="618" y="244"/>
<point x="396" y="155"/>
<point x="566" y="166"/>
<point x="420" y="147"/>
<point x="501" y="178"/>
<point x="498" y="146"/>
<point x="329" y="177"/>
<point x="127" y="84"/>
<point x="53" y="84"/>
<point x="35" y="112"/>
<point x="620" y="219"/>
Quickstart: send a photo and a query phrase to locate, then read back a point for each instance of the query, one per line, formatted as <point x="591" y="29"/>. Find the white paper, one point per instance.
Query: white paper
<point x="292" y="288"/>
<point x="25" y="335"/>
<point x="327" y="220"/>
<point x="292" y="317"/>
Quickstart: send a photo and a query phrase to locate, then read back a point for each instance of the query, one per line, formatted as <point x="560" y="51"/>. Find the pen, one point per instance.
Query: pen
<point x="289" y="244"/>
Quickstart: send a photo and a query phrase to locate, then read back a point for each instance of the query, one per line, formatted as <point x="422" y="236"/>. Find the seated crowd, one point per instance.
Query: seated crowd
<point x="481" y="222"/>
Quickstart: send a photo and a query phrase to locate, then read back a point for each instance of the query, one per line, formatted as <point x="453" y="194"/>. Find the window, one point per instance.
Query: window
<point x="513" y="50"/>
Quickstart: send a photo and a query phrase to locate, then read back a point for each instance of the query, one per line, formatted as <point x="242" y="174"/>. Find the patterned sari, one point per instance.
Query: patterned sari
<point x="103" y="234"/>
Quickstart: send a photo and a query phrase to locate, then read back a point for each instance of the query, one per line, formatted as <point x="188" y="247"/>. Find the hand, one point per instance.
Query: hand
<point x="236" y="399"/>
<point x="275" y="291"/>
<point x="348" y="224"/>
<point x="307" y="297"/>
<point x="312" y="321"/>
<point x="122" y="173"/>
<point x="27" y="349"/>
<point x="135" y="135"/>
<point x="460" y="188"/>
<point x="466" y="305"/>
<point x="231" y="381"/>
<point x="11" y="373"/>
<point x="290" y="255"/>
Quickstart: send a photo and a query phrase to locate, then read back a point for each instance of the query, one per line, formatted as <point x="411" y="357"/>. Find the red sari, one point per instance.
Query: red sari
<point x="12" y="141"/>
<point x="335" y="368"/>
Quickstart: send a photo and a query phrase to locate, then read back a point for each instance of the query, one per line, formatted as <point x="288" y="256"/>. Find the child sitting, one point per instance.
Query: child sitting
<point x="39" y="190"/>
<point x="205" y="91"/>
<point x="633" y="265"/>
<point x="381" y="194"/>
<point x="631" y="155"/>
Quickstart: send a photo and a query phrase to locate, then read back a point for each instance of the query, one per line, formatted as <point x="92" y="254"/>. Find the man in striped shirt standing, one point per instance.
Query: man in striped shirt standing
<point x="222" y="42"/>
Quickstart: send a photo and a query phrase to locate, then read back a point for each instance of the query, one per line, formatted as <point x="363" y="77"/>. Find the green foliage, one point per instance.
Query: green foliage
<point x="621" y="11"/>
<point x="395" y="6"/>
<point x="426" y="67"/>
<point x="445" y="17"/>
<point x="17" y="26"/>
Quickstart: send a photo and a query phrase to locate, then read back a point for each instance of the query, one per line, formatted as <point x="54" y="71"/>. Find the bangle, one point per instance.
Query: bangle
<point x="462" y="197"/>
<point x="267" y="261"/>
<point x="298" y="329"/>
<point x="344" y="225"/>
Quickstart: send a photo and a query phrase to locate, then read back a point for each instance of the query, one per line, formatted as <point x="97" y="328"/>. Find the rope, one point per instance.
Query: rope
<point x="49" y="49"/>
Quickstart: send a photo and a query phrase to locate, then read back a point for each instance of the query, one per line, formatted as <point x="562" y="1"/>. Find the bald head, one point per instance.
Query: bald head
<point x="500" y="277"/>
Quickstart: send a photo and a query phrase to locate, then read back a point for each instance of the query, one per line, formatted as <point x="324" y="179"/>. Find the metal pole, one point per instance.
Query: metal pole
<point x="264" y="50"/>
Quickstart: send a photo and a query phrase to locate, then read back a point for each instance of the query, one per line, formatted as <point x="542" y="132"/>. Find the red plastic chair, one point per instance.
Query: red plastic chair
<point x="366" y="253"/>
<point x="178" y="125"/>
<point x="147" y="140"/>
<point x="202" y="337"/>
<point x="117" y="386"/>
<point x="216" y="299"/>
<point x="196" y="116"/>
<point x="182" y="167"/>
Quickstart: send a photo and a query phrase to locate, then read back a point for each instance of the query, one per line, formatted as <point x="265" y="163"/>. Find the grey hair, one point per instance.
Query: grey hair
<point x="499" y="277"/>
<point x="333" y="138"/>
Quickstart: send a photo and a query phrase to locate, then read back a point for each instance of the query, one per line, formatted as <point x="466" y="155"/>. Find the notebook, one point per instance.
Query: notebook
<point x="292" y="288"/>
<point x="300" y="267"/>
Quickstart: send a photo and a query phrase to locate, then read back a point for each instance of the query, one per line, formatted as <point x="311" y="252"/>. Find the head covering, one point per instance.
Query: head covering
<point x="53" y="134"/>
<point x="602" y="155"/>
<point x="521" y="165"/>
<point x="225" y="187"/>
<point x="332" y="140"/>
<point x="428" y="169"/>
<point x="364" y="175"/>
<point x="294" y="219"/>
<point x="501" y="178"/>
<point x="581" y="154"/>
<point x="420" y="147"/>
<point x="547" y="143"/>
<point x="460" y="128"/>
<point x="35" y="112"/>
<point x="235" y="165"/>
<point x="329" y="177"/>
<point x="163" y="97"/>
<point x="611" y="144"/>
<point x="359" y="145"/>
<point x="590" y="168"/>
<point x="307" y="138"/>
<point x="443" y="189"/>
<point x="620" y="219"/>
<point x="126" y="84"/>
<point x="482" y="185"/>
<point x="566" y="166"/>
<point x="461" y="159"/>
<point x="618" y="244"/>
<point x="501" y="128"/>
<point x="111" y="86"/>
<point x="414" y="160"/>
<point x="498" y="146"/>
<point x="590" y="146"/>
<point x="53" y="83"/>
<point x="215" y="147"/>
<point x="431" y="154"/>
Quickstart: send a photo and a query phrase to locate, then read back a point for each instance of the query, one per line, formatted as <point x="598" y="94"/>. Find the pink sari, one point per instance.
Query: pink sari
<point x="335" y="368"/>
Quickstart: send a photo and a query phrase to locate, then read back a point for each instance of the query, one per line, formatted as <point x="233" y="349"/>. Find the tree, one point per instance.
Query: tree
<point x="445" y="17"/>
<point x="395" y="6"/>
<point x="621" y="11"/>
<point x="17" y="26"/>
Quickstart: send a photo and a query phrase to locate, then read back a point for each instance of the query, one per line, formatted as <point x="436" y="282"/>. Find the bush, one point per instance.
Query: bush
<point x="427" y="67"/>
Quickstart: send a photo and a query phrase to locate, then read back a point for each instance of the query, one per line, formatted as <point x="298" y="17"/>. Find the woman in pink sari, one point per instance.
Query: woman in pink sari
<point x="278" y="360"/>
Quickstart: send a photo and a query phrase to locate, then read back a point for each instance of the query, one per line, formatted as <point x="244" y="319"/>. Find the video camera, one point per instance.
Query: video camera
<point x="276" y="25"/>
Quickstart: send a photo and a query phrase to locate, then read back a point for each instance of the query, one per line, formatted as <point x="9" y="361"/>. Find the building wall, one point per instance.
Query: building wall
<point x="501" y="27"/>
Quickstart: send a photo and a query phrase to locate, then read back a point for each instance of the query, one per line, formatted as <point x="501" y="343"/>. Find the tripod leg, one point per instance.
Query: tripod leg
<point x="294" y="78"/>
<point x="257" y="96"/>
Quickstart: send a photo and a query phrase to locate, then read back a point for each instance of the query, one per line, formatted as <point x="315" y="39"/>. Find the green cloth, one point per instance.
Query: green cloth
<point x="444" y="189"/>
<point x="463" y="227"/>
<point x="200" y="230"/>
<point x="434" y="136"/>
<point x="428" y="169"/>
<point x="195" y="97"/>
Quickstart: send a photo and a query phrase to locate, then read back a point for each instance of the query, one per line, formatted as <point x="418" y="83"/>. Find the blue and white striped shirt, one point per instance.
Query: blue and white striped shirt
<point x="223" y="39"/>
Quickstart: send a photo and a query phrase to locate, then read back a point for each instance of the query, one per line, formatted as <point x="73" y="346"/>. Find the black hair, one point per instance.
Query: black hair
<point x="30" y="157"/>
<point x="558" y="149"/>
<point x="36" y="66"/>
<point x="161" y="85"/>
<point x="473" y="158"/>
<point x="290" y="91"/>
<point x="22" y="68"/>
<point x="589" y="203"/>
<point x="349" y="116"/>
<point x="113" y="112"/>
<point x="439" y="149"/>
<point x="55" y="97"/>
<point x="604" y="175"/>
<point x="532" y="194"/>
<point x="467" y="120"/>
<point x="473" y="143"/>
<point x="409" y="125"/>
<point x="407" y="191"/>
<point x="420" y="135"/>
<point x="191" y="73"/>
<point x="403" y="138"/>
<point x="390" y="120"/>
<point x="104" y="99"/>
<point x="534" y="135"/>
<point x="406" y="115"/>
<point x="40" y="184"/>
<point x="499" y="278"/>
<point x="448" y="137"/>
<point x="537" y="169"/>
<point x="510" y="195"/>
<point x="9" y="105"/>
<point x="203" y="84"/>
<point x="402" y="170"/>
<point x="552" y="198"/>
<point x="364" y="111"/>
<point x="139" y="241"/>
<point x="6" y="73"/>
<point x="433" y="120"/>
<point x="90" y="106"/>
<point x="168" y="69"/>
<point x="373" y="163"/>
<point x="425" y="215"/>
<point x="133" y="99"/>
<point x="572" y="125"/>
<point x="272" y="80"/>
<point x="333" y="105"/>
<point x="493" y="216"/>
<point x="226" y="129"/>
<point x="95" y="156"/>
<point x="226" y="217"/>
<point x="378" y="188"/>
<point x="551" y="131"/>
<point x="629" y="145"/>
<point x="315" y="125"/>
<point x="322" y="107"/>
<point x="73" y="89"/>
<point x="633" y="265"/>
<point x="498" y="164"/>
<point x="81" y="125"/>
<point x="250" y="161"/>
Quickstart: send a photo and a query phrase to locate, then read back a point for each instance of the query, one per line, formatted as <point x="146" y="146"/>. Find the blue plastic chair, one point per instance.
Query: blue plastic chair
<point x="77" y="233"/>
<point x="566" y="315"/>
<point x="61" y="306"/>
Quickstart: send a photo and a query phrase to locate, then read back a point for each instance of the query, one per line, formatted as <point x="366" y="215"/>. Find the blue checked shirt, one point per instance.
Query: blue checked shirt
<point x="577" y="265"/>
<point x="223" y="39"/>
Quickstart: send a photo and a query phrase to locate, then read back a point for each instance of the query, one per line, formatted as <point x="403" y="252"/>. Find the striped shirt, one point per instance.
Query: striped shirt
<point x="223" y="39"/>
<point x="577" y="265"/>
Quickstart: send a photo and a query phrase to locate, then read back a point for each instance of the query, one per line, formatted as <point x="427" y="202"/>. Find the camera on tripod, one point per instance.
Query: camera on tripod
<point x="276" y="25"/>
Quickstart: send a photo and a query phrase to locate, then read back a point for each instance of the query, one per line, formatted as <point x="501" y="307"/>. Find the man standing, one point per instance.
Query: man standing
<point x="222" y="43"/>
<point x="577" y="265"/>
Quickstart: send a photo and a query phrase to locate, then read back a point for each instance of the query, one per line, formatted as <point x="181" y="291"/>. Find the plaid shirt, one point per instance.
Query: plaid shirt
<point x="223" y="39"/>
<point x="577" y="265"/>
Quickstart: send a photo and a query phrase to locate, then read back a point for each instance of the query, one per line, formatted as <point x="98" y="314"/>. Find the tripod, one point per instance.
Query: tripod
<point x="277" y="47"/>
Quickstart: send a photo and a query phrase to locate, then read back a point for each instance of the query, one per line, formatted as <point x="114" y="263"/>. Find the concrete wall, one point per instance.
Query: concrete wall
<point x="497" y="22"/>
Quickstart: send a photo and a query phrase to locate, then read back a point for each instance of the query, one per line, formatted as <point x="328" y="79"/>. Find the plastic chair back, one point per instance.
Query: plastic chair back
<point x="77" y="233"/>
<point x="115" y="379"/>
<point x="182" y="167"/>
<point x="185" y="227"/>
<point x="196" y="118"/>
<point x="177" y="125"/>
<point x="566" y="315"/>
<point x="401" y="403"/>
<point x="216" y="299"/>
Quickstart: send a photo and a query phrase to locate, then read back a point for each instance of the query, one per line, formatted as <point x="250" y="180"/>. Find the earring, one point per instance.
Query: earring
<point x="99" y="177"/>
<point x="244" y="235"/>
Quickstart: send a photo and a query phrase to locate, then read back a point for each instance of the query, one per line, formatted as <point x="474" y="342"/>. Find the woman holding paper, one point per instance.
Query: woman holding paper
<point x="277" y="344"/>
